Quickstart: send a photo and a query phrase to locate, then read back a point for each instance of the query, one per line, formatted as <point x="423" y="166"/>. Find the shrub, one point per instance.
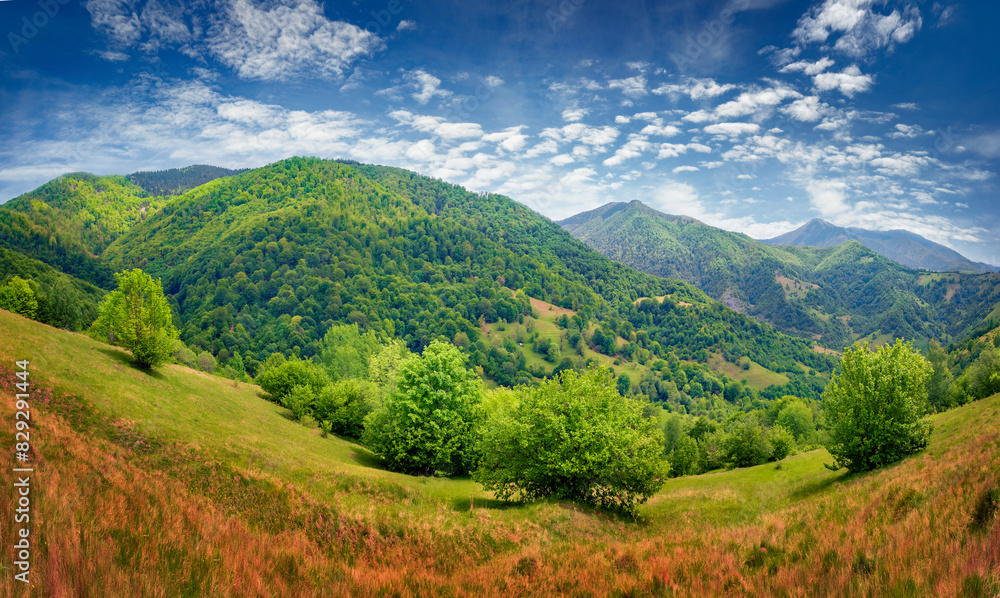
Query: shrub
<point x="747" y="443"/>
<point x="17" y="296"/>
<point x="875" y="407"/>
<point x="782" y="442"/>
<point x="299" y="401"/>
<point x="574" y="438"/>
<point x="279" y="380"/>
<point x="428" y="423"/>
<point x="345" y="405"/>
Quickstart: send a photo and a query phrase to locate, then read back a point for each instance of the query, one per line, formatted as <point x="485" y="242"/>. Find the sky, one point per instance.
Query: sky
<point x="750" y="115"/>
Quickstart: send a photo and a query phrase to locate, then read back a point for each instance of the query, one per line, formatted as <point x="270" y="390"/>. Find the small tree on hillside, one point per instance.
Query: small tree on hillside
<point x="875" y="407"/>
<point x="136" y="316"/>
<point x="429" y="422"/>
<point x="575" y="438"/>
<point x="16" y="296"/>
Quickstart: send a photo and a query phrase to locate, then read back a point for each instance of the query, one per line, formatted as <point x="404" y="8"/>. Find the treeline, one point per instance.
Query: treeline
<point x="38" y="291"/>
<point x="175" y="181"/>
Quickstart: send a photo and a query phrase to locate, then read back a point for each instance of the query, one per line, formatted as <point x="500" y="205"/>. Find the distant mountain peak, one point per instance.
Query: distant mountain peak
<point x="903" y="246"/>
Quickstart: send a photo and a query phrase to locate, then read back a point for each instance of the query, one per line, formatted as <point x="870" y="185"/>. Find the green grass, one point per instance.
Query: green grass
<point x="757" y="376"/>
<point x="224" y="438"/>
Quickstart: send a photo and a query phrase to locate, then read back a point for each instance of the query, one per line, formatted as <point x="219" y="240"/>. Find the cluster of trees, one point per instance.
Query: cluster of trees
<point x="744" y="439"/>
<point x="38" y="291"/>
<point x="968" y="372"/>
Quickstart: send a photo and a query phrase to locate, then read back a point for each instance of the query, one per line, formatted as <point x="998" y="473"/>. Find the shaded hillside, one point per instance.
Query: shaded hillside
<point x="178" y="180"/>
<point x="833" y="295"/>
<point x="901" y="246"/>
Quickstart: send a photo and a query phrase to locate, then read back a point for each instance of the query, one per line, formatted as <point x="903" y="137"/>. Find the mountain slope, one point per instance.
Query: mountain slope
<point x="902" y="246"/>
<point x="217" y="493"/>
<point x="267" y="260"/>
<point x="69" y="221"/>
<point x="833" y="295"/>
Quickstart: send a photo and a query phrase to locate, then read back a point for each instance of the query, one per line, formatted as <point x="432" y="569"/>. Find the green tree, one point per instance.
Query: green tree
<point x="136" y="316"/>
<point x="748" y="442"/>
<point x="278" y="381"/>
<point x="875" y="407"/>
<point x="939" y="386"/>
<point x="574" y="438"/>
<point x="782" y="442"/>
<point x="16" y="296"/>
<point x="797" y="418"/>
<point x="345" y="404"/>
<point x="346" y="351"/>
<point x="982" y="378"/>
<point x="299" y="401"/>
<point x="428" y="423"/>
<point x="384" y="367"/>
<point x="684" y="457"/>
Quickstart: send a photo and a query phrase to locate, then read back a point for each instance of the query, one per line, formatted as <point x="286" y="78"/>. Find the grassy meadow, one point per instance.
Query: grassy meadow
<point x="176" y="483"/>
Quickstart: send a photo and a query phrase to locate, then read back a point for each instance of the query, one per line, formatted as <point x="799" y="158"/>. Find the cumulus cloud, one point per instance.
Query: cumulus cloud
<point x="275" y="42"/>
<point x="732" y="129"/>
<point x="631" y="87"/>
<point x="860" y="30"/>
<point x="808" y="109"/>
<point x="848" y="82"/>
<point x="696" y="89"/>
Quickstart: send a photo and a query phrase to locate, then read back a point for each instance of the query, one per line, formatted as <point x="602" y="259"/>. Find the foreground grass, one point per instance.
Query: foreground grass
<point x="180" y="484"/>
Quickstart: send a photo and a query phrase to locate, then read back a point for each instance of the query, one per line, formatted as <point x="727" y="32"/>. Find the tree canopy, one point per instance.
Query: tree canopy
<point x="136" y="316"/>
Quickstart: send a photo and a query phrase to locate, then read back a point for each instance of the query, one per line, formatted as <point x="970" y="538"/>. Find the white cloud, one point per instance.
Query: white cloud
<point x="808" y="109"/>
<point x="631" y="87"/>
<point x="752" y="102"/>
<point x="279" y="41"/>
<point x="633" y="148"/>
<point x="906" y="106"/>
<point x="661" y="130"/>
<point x="808" y="68"/>
<point x="861" y="30"/>
<point x="697" y="89"/>
<point x="732" y="129"/>
<point x="685" y="169"/>
<point x="574" y="114"/>
<point x="828" y="196"/>
<point x="510" y="139"/>
<point x="406" y="25"/>
<point x="848" y="82"/>
<point x="427" y="86"/>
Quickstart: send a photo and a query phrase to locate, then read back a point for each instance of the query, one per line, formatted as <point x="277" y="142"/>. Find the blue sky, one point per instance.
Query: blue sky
<point x="750" y="115"/>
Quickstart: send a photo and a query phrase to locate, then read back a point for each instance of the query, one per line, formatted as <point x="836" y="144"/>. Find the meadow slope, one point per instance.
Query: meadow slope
<point x="180" y="484"/>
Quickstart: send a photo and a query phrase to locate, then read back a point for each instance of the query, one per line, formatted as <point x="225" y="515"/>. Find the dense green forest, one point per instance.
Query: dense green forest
<point x="175" y="181"/>
<point x="265" y="262"/>
<point x="835" y="295"/>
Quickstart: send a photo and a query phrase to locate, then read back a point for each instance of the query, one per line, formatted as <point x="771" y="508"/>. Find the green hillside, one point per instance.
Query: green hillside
<point x="267" y="260"/>
<point x="833" y="295"/>
<point x="69" y="221"/>
<point x="218" y="493"/>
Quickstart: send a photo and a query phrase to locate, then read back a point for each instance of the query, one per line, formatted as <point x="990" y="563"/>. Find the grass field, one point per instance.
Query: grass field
<point x="180" y="484"/>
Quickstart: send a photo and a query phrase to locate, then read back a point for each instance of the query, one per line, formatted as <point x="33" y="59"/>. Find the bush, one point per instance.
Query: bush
<point x="747" y="443"/>
<point x="184" y="356"/>
<point x="279" y="380"/>
<point x="874" y="408"/>
<point x="797" y="418"/>
<point x="684" y="457"/>
<point x="207" y="362"/>
<point x="782" y="442"/>
<point x="18" y="297"/>
<point x="299" y="401"/>
<point x="428" y="423"/>
<point x="574" y="438"/>
<point x="345" y="405"/>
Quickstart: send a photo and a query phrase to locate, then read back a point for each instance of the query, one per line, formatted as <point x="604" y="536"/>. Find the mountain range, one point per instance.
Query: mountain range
<point x="267" y="260"/>
<point x="833" y="294"/>
<point x="902" y="246"/>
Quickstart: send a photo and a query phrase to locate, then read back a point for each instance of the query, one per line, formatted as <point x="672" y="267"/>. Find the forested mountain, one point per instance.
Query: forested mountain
<point x="833" y="295"/>
<point x="901" y="246"/>
<point x="178" y="180"/>
<point x="69" y="221"/>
